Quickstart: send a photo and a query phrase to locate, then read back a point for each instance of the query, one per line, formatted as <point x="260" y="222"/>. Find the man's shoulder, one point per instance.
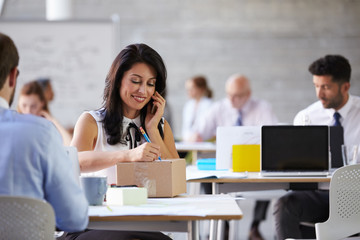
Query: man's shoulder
<point x="313" y="107"/>
<point x="25" y="121"/>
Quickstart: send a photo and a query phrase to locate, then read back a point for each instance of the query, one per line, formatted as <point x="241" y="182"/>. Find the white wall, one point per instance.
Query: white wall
<point x="272" y="42"/>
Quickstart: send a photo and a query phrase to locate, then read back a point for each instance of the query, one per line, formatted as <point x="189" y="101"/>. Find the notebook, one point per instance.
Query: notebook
<point x="226" y="137"/>
<point x="294" y="151"/>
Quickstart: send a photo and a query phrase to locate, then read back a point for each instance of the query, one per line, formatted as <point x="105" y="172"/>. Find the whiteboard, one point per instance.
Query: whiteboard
<point x="75" y="55"/>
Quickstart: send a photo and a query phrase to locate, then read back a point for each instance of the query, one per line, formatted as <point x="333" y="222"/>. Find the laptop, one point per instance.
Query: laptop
<point x="292" y="151"/>
<point x="226" y="137"/>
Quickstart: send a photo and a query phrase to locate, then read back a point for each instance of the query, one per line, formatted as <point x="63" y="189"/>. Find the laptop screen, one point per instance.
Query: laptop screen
<point x="295" y="148"/>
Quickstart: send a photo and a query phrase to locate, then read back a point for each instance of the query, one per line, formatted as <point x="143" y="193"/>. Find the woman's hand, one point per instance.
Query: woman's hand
<point x="46" y="115"/>
<point x="146" y="152"/>
<point x="153" y="118"/>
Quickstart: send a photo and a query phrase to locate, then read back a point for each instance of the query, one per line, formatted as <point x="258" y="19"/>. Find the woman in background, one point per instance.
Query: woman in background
<point x="32" y="101"/>
<point x="194" y="110"/>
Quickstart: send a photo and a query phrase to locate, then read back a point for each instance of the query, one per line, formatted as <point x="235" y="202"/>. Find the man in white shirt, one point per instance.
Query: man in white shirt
<point x="237" y="106"/>
<point x="239" y="109"/>
<point x="336" y="107"/>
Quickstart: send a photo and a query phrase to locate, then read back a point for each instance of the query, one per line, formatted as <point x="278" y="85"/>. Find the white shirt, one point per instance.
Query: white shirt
<point x="316" y="114"/>
<point x="4" y="103"/>
<point x="103" y="145"/>
<point x="193" y="112"/>
<point x="254" y="113"/>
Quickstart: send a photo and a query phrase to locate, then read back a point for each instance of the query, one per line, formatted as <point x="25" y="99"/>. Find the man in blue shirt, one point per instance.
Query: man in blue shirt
<point x="33" y="161"/>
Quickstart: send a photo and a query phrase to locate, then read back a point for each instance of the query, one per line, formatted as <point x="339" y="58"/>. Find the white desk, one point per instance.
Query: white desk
<point x="180" y="214"/>
<point x="195" y="148"/>
<point x="226" y="182"/>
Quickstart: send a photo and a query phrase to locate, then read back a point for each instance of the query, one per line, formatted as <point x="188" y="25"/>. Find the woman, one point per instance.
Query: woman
<point x="195" y="109"/>
<point x="131" y="99"/>
<point x="32" y="101"/>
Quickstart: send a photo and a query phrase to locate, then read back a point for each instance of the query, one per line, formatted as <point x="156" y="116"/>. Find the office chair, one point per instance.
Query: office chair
<point x="344" y="214"/>
<point x="26" y="218"/>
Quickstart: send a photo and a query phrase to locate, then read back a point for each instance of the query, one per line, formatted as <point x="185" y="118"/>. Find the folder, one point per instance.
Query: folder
<point x="246" y="158"/>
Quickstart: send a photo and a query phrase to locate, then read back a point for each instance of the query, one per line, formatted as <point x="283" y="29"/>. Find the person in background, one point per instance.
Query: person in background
<point x="132" y="99"/>
<point x="336" y="107"/>
<point x="33" y="161"/>
<point x="45" y="84"/>
<point x="194" y="110"/>
<point x="32" y="100"/>
<point x="239" y="109"/>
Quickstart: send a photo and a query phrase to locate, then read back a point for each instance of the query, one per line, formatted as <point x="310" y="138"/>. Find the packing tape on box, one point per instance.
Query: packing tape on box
<point x="141" y="172"/>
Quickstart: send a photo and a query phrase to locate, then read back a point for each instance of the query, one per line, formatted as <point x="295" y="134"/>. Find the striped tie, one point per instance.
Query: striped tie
<point x="337" y="117"/>
<point x="239" y="120"/>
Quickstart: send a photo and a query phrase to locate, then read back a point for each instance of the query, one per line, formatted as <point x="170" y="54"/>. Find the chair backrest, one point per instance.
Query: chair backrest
<point x="26" y="218"/>
<point x="344" y="196"/>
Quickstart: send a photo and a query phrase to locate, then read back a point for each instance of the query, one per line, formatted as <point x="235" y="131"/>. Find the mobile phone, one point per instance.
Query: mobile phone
<point x="153" y="108"/>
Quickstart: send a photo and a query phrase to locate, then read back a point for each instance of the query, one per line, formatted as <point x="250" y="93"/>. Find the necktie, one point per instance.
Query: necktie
<point x="132" y="135"/>
<point x="239" y="120"/>
<point x="337" y="117"/>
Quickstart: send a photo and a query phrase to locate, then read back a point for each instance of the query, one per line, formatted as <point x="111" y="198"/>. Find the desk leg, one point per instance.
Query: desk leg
<point x="213" y="223"/>
<point x="194" y="155"/>
<point x="193" y="231"/>
<point x="220" y="230"/>
<point x="214" y="188"/>
<point x="213" y="229"/>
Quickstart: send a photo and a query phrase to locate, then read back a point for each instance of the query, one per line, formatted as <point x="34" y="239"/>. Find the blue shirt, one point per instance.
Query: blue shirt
<point x="34" y="163"/>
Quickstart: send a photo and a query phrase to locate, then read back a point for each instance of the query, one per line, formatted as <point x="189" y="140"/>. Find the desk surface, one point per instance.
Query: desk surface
<point x="250" y="177"/>
<point x="181" y="208"/>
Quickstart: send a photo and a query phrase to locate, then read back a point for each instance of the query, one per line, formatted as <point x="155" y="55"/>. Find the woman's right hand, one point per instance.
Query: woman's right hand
<point x="146" y="152"/>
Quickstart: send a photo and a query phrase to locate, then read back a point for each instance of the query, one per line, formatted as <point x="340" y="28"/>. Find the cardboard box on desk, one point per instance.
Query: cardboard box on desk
<point x="165" y="178"/>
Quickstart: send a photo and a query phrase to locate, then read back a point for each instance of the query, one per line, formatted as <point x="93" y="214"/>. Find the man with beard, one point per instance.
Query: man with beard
<point x="336" y="107"/>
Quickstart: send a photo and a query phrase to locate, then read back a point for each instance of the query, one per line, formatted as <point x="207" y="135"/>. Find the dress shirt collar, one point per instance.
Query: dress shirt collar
<point x="246" y="107"/>
<point x="4" y="103"/>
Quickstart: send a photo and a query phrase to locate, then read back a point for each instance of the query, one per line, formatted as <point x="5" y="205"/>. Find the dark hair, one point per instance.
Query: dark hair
<point x="335" y="66"/>
<point x="44" y="82"/>
<point x="200" y="82"/>
<point x="134" y="53"/>
<point x="9" y="57"/>
<point x="34" y="88"/>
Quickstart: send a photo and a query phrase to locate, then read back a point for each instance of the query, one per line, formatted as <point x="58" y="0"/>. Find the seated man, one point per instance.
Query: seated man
<point x="33" y="161"/>
<point x="331" y="78"/>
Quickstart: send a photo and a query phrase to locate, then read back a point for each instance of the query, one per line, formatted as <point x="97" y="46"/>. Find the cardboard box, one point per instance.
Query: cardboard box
<point x="165" y="178"/>
<point x="246" y="158"/>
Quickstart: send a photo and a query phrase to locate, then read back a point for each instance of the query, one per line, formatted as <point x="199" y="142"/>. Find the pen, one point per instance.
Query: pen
<point x="146" y="136"/>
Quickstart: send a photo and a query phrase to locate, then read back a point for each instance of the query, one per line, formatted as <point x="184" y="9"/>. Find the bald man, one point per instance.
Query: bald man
<point x="226" y="112"/>
<point x="239" y="109"/>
